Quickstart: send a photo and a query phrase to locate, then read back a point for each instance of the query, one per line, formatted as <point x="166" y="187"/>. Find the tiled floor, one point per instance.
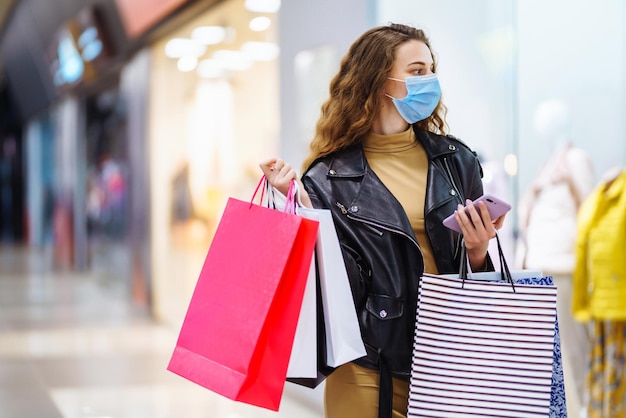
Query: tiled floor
<point x="73" y="346"/>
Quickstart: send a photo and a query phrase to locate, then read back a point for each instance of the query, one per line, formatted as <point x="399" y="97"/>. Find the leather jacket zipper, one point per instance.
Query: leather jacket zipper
<point x="461" y="198"/>
<point x="456" y="189"/>
<point x="372" y="226"/>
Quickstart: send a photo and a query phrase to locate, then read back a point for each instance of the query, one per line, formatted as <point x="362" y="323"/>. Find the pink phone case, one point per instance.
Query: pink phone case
<point x="497" y="207"/>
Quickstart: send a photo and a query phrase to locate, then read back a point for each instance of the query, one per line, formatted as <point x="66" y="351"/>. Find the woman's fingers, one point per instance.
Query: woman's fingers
<point x="267" y="165"/>
<point x="499" y="222"/>
<point x="278" y="173"/>
<point x="475" y="224"/>
<point x="485" y="218"/>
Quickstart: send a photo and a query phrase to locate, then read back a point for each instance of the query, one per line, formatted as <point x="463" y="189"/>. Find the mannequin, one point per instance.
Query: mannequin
<point x="549" y="207"/>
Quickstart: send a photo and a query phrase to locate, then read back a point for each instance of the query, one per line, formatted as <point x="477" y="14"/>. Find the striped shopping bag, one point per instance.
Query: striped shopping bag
<point x="482" y="349"/>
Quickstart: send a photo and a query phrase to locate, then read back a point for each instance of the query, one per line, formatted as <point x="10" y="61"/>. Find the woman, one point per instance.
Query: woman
<point x="380" y="161"/>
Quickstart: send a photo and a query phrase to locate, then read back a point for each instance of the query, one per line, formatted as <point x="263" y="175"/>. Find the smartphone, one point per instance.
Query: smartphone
<point x="497" y="207"/>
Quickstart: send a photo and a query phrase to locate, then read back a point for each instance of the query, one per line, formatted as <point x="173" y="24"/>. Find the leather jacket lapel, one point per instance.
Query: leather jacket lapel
<point x="369" y="200"/>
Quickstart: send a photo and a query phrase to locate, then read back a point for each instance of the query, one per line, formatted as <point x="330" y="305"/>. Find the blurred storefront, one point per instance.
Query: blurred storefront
<point x="80" y="98"/>
<point x="214" y="113"/>
<point x="141" y="118"/>
<point x="77" y="143"/>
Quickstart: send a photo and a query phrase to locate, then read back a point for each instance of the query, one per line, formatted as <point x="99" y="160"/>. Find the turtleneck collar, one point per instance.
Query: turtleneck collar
<point x="401" y="141"/>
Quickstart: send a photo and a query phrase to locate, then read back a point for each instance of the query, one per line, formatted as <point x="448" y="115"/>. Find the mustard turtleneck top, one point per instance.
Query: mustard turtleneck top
<point x="401" y="163"/>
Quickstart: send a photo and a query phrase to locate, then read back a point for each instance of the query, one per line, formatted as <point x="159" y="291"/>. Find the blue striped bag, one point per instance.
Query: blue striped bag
<point x="463" y="362"/>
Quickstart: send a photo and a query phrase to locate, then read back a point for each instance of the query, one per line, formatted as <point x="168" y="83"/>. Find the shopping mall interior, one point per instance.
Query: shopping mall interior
<point x="126" y="125"/>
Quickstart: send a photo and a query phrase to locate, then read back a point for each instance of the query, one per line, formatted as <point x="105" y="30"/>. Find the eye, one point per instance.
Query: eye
<point x="423" y="71"/>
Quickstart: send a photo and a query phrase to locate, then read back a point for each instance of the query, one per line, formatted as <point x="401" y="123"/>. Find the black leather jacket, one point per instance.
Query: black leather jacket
<point x="382" y="256"/>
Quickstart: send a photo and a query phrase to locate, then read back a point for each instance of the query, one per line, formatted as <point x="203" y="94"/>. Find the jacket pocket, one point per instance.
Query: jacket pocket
<point x="384" y="307"/>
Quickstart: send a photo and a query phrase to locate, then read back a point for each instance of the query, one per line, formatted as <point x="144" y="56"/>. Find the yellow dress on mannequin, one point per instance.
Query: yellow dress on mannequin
<point x="599" y="293"/>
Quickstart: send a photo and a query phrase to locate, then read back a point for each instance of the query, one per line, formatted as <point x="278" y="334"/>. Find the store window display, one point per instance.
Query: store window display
<point x="206" y="130"/>
<point x="548" y="208"/>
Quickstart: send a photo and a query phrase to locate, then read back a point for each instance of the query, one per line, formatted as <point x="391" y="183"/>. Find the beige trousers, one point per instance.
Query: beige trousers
<point x="351" y="391"/>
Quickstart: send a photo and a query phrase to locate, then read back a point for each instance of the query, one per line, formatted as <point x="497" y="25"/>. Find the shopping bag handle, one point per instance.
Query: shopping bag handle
<point x="290" y="203"/>
<point x="505" y="272"/>
<point x="262" y="181"/>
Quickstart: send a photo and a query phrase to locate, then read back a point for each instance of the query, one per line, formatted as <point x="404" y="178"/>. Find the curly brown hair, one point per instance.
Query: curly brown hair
<point x="347" y="115"/>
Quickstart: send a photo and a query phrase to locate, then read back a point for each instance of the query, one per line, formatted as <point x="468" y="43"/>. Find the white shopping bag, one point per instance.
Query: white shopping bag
<point x="343" y="334"/>
<point x="303" y="360"/>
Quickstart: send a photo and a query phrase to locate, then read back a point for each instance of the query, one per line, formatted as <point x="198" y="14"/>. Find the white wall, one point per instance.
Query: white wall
<point x="572" y="50"/>
<point x="323" y="27"/>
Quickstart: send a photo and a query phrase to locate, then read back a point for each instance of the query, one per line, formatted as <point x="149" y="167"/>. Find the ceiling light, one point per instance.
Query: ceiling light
<point x="260" y="51"/>
<point x="260" y="23"/>
<point x="183" y="47"/>
<point x="186" y="64"/>
<point x="263" y="6"/>
<point x="209" y="35"/>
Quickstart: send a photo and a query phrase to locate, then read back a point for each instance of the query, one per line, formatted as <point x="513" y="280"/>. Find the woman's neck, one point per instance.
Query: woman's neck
<point x="389" y="122"/>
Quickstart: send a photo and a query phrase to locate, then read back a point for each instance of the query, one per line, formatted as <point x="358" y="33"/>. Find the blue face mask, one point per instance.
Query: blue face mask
<point x="423" y="94"/>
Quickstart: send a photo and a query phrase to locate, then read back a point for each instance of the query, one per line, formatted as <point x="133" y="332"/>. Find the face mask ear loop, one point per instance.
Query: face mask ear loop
<point x="394" y="79"/>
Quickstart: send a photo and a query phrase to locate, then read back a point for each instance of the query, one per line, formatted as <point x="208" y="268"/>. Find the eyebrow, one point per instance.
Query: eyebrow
<point x="418" y="63"/>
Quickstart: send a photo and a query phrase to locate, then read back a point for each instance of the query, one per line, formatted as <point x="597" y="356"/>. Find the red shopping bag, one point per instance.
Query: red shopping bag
<point x="237" y="335"/>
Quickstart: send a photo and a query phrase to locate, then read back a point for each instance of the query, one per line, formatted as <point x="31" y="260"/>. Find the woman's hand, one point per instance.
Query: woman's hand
<point x="477" y="229"/>
<point x="280" y="174"/>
